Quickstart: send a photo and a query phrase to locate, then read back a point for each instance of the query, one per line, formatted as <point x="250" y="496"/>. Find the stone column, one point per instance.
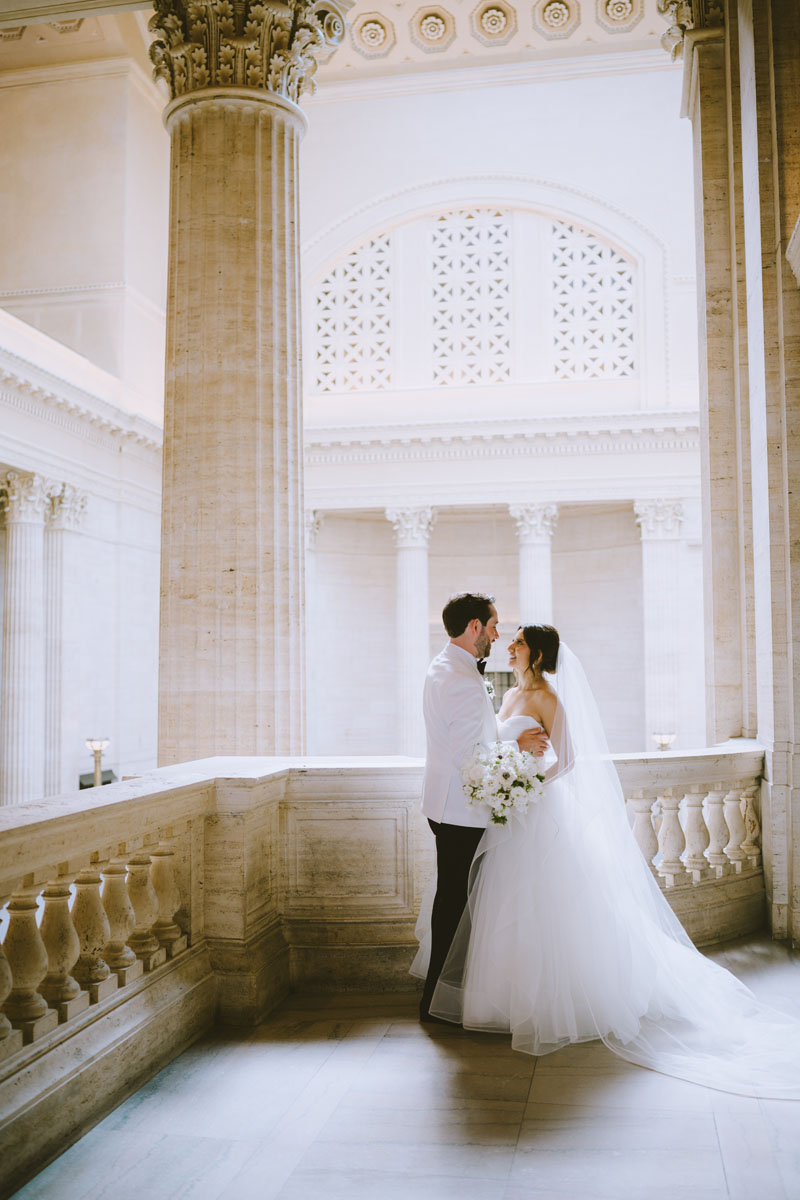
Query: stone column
<point x="660" y="525"/>
<point x="412" y="528"/>
<point x="536" y="524"/>
<point x="25" y="501"/>
<point x="711" y="100"/>
<point x="313" y="522"/>
<point x="66" y="510"/>
<point x="232" y="624"/>
<point x="770" y="118"/>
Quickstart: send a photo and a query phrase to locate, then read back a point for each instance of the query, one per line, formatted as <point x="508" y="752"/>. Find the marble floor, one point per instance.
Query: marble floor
<point x="348" y="1098"/>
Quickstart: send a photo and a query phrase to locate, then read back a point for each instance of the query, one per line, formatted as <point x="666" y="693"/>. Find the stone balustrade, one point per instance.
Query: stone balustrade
<point x="139" y="913"/>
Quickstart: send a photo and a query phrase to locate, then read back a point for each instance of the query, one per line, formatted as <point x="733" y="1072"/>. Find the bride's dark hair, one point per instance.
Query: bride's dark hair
<point x="542" y="639"/>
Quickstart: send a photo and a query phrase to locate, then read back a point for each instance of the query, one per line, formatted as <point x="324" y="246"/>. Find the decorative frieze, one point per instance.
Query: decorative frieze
<point x="259" y="44"/>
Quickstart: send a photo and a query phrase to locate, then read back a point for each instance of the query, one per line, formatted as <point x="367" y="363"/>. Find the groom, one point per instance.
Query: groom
<point x="458" y="714"/>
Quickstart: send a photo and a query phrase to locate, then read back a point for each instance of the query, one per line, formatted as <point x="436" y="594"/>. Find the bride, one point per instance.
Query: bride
<point x="566" y="936"/>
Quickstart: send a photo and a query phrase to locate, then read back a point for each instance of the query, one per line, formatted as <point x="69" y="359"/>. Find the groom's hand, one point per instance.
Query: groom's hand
<point x="534" y="740"/>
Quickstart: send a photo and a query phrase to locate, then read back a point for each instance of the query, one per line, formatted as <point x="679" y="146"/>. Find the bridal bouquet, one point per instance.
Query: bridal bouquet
<point x="503" y="778"/>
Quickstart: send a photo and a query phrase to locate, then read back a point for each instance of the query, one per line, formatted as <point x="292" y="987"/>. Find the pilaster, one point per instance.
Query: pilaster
<point x="660" y="526"/>
<point x="412" y="528"/>
<point x="24" y="499"/>
<point x="536" y="524"/>
<point x="63" y="515"/>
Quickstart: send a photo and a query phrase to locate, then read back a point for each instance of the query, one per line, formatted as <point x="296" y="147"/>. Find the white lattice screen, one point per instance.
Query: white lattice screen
<point x="471" y="253"/>
<point x="575" y="292"/>
<point x="593" y="307"/>
<point x="353" y="321"/>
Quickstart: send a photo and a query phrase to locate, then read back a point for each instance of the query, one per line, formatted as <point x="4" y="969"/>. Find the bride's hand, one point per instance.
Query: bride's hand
<point x="534" y="740"/>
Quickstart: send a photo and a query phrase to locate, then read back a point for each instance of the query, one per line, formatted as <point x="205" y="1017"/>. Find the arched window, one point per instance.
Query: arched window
<point x="475" y="296"/>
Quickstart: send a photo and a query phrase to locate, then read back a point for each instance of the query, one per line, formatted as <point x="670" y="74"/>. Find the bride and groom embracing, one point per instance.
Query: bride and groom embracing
<point x="550" y="926"/>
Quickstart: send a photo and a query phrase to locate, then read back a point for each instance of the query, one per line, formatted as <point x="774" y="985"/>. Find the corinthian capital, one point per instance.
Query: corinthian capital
<point x="24" y="497"/>
<point x="67" y="507"/>
<point x="684" y="15"/>
<point x="412" y="526"/>
<point x="536" y="523"/>
<point x="658" y="519"/>
<point x="260" y="44"/>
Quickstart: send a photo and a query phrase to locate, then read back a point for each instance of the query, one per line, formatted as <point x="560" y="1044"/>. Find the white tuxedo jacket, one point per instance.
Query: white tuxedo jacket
<point x="458" y="714"/>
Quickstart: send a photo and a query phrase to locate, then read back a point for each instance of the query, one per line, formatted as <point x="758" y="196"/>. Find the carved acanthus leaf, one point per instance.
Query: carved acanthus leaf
<point x="259" y="44"/>
<point x="684" y="15"/>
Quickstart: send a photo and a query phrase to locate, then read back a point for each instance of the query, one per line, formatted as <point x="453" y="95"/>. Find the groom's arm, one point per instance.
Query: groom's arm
<point x="464" y="716"/>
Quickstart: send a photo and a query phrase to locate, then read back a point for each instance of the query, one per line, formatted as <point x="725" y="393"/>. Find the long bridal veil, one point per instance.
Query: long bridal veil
<point x="567" y="936"/>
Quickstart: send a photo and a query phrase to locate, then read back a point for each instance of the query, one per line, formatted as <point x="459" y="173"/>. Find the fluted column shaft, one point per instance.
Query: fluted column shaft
<point x="232" y="618"/>
<point x="232" y="621"/>
<point x="412" y="528"/>
<point x="64" y="514"/>
<point x="660" y="525"/>
<point x="25" y="500"/>
<point x="536" y="524"/>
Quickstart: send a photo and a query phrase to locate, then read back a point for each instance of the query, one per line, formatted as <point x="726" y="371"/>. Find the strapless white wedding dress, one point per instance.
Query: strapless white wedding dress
<point x="567" y="938"/>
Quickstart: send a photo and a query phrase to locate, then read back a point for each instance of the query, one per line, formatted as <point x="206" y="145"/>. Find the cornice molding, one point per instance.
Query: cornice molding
<point x="104" y="68"/>
<point x="39" y="393"/>
<point x="525" y="71"/>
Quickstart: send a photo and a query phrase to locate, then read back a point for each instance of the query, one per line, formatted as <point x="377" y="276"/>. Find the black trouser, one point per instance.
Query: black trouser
<point x="455" y="850"/>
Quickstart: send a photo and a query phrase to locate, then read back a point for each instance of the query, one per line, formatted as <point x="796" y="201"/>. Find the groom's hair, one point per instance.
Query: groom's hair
<point x="463" y="608"/>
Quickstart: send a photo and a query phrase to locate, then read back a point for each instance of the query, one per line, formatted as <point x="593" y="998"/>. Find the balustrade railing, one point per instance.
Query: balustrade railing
<point x="136" y="913"/>
<point x="695" y="816"/>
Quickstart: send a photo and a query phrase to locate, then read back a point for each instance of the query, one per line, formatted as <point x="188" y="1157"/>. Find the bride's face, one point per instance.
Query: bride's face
<point x="519" y="655"/>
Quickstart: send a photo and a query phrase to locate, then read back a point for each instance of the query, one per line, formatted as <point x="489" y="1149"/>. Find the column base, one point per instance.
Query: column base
<point x="150" y="959"/>
<point x="70" y="1008"/>
<point x="103" y="989"/>
<point x="176" y="946"/>
<point x="126" y="975"/>
<point x="38" y="1027"/>
<point x="10" y="1044"/>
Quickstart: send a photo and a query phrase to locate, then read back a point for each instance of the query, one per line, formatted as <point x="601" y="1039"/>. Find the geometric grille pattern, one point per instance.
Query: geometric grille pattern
<point x="593" y="307"/>
<point x="471" y="297"/>
<point x="353" y="321"/>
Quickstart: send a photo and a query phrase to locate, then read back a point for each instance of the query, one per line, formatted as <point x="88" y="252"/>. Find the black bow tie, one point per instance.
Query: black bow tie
<point x="481" y="665"/>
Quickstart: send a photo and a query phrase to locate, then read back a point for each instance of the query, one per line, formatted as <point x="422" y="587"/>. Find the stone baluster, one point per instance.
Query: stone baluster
<point x="25" y="1007"/>
<point x="752" y="842"/>
<point x="145" y="907"/>
<point x="412" y="528"/>
<point x="696" y="834"/>
<point x="643" y="830"/>
<point x="61" y="991"/>
<point x="166" y="888"/>
<point x="734" y="819"/>
<point x="10" y="1038"/>
<point x="25" y="499"/>
<point x="91" y="925"/>
<point x="718" y="831"/>
<point x="671" y="842"/>
<point x="536" y="524"/>
<point x="120" y="957"/>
